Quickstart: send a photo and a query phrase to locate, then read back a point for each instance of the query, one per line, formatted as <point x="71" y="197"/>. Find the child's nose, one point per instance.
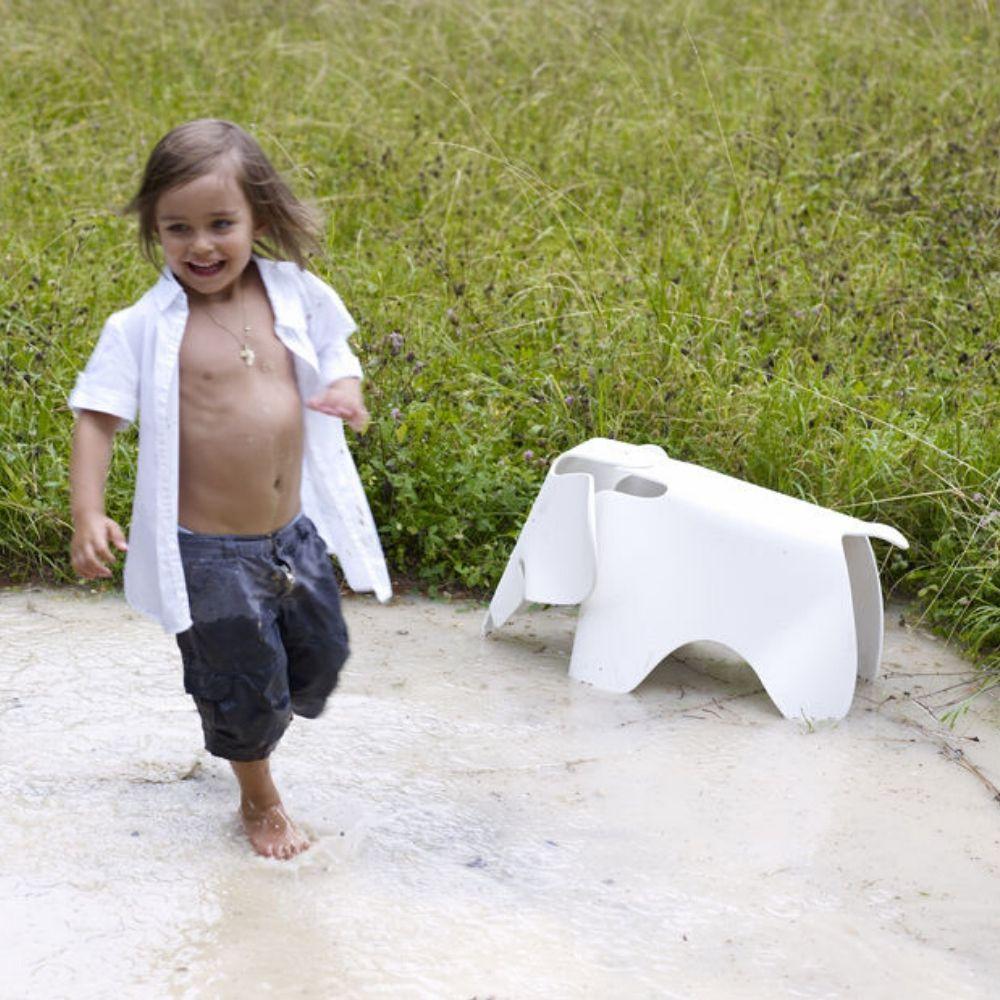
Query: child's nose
<point x="202" y="240"/>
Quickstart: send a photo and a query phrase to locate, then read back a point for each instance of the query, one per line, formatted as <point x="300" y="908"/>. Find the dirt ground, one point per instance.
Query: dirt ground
<point x="486" y="827"/>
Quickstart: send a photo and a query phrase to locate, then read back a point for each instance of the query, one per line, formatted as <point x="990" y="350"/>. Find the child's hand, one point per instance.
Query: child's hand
<point x="90" y="550"/>
<point x="343" y="399"/>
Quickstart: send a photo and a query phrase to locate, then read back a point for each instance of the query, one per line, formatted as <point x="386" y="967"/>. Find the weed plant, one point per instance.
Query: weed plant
<point x="763" y="235"/>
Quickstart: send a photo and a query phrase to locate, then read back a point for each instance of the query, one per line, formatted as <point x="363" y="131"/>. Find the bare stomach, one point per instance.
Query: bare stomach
<point x="240" y="458"/>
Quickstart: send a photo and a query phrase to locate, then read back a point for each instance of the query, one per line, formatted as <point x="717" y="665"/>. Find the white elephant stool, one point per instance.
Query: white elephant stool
<point x="660" y="553"/>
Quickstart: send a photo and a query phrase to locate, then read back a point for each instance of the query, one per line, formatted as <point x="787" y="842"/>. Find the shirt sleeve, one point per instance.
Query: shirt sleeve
<point x="110" y="381"/>
<point x="330" y="325"/>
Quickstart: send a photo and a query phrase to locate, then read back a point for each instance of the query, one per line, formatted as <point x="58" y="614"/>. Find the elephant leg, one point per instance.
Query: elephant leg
<point x="809" y="671"/>
<point x="614" y="653"/>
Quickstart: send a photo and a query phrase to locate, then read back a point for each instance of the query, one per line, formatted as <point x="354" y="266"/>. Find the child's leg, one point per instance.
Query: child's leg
<point x="267" y="825"/>
<point x="314" y="641"/>
<point x="313" y="631"/>
<point x="236" y="669"/>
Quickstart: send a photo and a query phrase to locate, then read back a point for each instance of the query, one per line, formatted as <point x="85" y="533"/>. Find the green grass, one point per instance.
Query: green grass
<point x="765" y="236"/>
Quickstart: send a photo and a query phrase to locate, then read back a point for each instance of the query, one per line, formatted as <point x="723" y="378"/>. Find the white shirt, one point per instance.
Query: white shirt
<point x="135" y="369"/>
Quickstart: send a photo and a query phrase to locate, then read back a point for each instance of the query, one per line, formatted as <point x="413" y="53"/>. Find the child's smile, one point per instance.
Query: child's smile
<point x="206" y="230"/>
<point x="206" y="270"/>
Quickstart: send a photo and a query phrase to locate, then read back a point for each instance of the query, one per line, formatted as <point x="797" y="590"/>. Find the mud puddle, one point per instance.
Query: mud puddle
<point x="486" y="827"/>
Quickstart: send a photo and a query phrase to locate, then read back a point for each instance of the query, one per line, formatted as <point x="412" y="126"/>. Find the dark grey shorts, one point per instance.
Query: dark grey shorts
<point x="268" y="638"/>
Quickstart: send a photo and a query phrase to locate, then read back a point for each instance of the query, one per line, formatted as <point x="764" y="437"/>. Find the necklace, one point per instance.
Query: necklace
<point x="247" y="354"/>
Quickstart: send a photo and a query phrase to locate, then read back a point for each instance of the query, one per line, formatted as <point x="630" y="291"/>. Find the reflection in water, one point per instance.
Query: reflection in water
<point x="483" y="827"/>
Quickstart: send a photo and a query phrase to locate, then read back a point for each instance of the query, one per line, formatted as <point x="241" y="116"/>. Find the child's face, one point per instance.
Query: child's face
<point x="206" y="229"/>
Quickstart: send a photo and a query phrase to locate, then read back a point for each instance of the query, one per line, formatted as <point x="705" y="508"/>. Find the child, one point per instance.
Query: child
<point x="240" y="372"/>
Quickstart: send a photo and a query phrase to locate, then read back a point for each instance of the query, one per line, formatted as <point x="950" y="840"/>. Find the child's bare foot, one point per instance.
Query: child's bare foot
<point x="271" y="832"/>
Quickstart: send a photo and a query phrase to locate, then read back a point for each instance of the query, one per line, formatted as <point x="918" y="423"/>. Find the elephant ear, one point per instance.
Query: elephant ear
<point x="558" y="547"/>
<point x="555" y="558"/>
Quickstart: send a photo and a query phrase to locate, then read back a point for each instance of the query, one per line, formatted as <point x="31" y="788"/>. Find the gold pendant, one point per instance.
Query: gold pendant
<point x="247" y="355"/>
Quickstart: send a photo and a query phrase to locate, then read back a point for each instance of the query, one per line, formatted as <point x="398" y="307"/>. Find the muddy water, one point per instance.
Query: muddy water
<point x="485" y="827"/>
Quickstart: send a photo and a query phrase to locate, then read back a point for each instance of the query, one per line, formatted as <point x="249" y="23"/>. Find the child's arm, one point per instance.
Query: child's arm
<point x="93" y="531"/>
<point x="330" y="326"/>
<point x="343" y="399"/>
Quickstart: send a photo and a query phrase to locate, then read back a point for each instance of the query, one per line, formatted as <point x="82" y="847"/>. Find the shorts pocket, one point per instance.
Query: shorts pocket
<point x="214" y="589"/>
<point x="208" y="685"/>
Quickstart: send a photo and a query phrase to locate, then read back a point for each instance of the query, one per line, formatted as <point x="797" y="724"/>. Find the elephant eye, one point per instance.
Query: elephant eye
<point x="639" y="486"/>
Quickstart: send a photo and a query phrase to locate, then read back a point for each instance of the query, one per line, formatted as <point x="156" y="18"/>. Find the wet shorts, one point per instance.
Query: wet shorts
<point x="268" y="638"/>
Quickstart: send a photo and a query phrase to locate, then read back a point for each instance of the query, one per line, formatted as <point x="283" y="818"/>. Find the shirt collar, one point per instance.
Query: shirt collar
<point x="287" y="308"/>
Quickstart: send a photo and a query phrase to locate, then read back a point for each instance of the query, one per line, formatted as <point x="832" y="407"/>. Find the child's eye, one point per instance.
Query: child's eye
<point x="223" y="223"/>
<point x="176" y="227"/>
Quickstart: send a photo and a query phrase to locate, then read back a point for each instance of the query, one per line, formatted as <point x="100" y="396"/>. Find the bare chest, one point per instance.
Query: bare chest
<point x="232" y="363"/>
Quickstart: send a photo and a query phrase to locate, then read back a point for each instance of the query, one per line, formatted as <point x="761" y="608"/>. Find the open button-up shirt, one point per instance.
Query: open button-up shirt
<point x="134" y="369"/>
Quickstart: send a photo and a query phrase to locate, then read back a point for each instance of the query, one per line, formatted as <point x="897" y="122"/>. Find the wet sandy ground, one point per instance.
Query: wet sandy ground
<point x="486" y="827"/>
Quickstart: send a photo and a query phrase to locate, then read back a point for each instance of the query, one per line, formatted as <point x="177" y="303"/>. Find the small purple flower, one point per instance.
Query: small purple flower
<point x="395" y="413"/>
<point x="569" y="400"/>
<point x="396" y="342"/>
<point x="529" y="455"/>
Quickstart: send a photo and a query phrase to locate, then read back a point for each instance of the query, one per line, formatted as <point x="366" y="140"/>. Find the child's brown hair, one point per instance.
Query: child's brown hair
<point x="195" y="148"/>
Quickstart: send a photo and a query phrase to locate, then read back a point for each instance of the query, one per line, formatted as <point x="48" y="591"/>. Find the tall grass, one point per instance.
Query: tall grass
<point x="763" y="235"/>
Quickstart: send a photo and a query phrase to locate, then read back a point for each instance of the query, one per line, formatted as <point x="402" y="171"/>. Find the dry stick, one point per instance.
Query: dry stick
<point x="568" y="764"/>
<point x="969" y="681"/>
<point x="951" y="752"/>
<point x="935" y="673"/>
